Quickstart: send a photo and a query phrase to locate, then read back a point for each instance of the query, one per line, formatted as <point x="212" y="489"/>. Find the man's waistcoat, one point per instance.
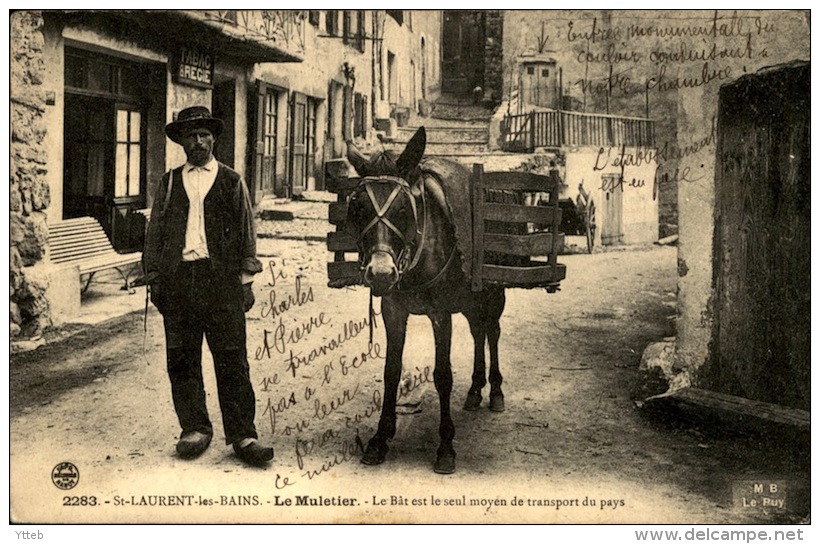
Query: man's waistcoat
<point x="228" y="226"/>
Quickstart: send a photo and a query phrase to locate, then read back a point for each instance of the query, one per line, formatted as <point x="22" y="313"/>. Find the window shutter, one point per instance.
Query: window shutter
<point x="346" y="26"/>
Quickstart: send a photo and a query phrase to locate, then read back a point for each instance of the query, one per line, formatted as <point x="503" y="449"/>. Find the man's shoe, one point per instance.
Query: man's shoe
<point x="253" y="454"/>
<point x="192" y="444"/>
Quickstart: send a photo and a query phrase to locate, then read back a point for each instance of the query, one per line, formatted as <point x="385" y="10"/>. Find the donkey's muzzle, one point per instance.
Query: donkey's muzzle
<point x="381" y="273"/>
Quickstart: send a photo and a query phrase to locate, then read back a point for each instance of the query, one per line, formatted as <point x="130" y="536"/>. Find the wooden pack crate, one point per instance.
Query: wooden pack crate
<point x="528" y="236"/>
<point x="514" y="244"/>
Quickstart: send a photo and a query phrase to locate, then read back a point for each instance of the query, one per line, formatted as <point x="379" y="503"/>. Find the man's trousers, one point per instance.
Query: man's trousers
<point x="199" y="302"/>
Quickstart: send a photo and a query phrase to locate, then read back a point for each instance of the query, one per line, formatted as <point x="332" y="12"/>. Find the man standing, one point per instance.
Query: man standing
<point x="199" y="261"/>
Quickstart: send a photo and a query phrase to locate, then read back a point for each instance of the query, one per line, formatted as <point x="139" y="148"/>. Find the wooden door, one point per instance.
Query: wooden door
<point x="298" y="143"/>
<point x="264" y="127"/>
<point x="612" y="214"/>
<point x="224" y="107"/>
<point x="761" y="347"/>
<point x="462" y="52"/>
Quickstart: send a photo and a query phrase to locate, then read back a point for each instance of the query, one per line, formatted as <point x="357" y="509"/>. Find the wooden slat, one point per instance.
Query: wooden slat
<point x="106" y="263"/>
<point x="84" y="231"/>
<point x="337" y="213"/>
<point x="736" y="413"/>
<point x="341" y="241"/>
<point x="540" y="243"/>
<point x="523" y="276"/>
<point x="516" y="213"/>
<point x="101" y="240"/>
<point x="71" y="224"/>
<point x="76" y="221"/>
<point x="82" y="241"/>
<point x="341" y="185"/>
<point x="74" y="230"/>
<point x="519" y="181"/>
<point x="78" y="255"/>
<point x="80" y="248"/>
<point x="477" y="204"/>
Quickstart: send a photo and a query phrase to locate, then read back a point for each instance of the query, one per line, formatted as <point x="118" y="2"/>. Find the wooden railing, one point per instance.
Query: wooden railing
<point x="556" y="128"/>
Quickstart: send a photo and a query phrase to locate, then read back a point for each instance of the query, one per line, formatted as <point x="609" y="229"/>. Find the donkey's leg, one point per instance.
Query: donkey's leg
<point x="494" y="308"/>
<point x="443" y="378"/>
<point x="479" y="333"/>
<point x="395" y="323"/>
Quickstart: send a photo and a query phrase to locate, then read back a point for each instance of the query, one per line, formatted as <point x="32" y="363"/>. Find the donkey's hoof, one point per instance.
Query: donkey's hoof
<point x="497" y="402"/>
<point x="473" y="402"/>
<point x="374" y="454"/>
<point x="445" y="463"/>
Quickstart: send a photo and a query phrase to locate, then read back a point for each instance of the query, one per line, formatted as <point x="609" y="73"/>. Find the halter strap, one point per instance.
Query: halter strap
<point x="399" y="186"/>
<point x="381" y="210"/>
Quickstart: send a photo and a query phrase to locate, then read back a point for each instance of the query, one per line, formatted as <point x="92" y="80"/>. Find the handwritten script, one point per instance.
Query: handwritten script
<point x="317" y="387"/>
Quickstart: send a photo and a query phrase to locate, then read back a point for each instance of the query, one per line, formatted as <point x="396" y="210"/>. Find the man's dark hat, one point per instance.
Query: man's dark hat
<point x="193" y="117"/>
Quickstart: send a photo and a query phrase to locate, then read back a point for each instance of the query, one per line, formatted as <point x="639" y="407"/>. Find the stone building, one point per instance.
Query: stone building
<point x="671" y="67"/>
<point x="360" y="69"/>
<point x="29" y="195"/>
<point x="91" y="93"/>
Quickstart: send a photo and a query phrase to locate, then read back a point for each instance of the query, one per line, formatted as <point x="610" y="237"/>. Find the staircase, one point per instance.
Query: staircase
<point x="459" y="130"/>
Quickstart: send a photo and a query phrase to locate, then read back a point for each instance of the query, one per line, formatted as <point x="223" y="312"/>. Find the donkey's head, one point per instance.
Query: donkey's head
<point x="383" y="213"/>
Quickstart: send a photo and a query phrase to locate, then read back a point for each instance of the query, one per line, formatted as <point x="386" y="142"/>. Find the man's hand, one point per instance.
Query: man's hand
<point x="247" y="296"/>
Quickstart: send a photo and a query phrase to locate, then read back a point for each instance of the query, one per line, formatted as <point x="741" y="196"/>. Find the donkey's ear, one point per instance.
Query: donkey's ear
<point x="413" y="153"/>
<point x="355" y="158"/>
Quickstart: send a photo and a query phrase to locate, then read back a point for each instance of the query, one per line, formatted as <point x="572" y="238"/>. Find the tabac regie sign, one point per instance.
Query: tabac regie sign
<point x="194" y="67"/>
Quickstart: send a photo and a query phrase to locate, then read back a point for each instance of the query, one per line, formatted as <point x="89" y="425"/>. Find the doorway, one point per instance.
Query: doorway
<point x="106" y="158"/>
<point x="612" y="230"/>
<point x="269" y="134"/>
<point x="462" y="51"/>
<point x="224" y="107"/>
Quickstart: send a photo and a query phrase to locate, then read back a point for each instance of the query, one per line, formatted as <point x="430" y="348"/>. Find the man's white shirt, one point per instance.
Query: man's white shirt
<point x="197" y="181"/>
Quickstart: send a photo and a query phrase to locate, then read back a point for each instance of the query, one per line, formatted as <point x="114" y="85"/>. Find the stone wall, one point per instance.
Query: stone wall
<point x="28" y="189"/>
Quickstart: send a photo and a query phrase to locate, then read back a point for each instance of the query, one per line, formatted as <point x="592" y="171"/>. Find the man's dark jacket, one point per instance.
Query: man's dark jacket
<point x="229" y="227"/>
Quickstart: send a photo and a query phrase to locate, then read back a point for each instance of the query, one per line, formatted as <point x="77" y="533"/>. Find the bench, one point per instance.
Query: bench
<point x="82" y="242"/>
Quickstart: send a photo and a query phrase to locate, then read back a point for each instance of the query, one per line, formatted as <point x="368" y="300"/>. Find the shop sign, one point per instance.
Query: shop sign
<point x="194" y="67"/>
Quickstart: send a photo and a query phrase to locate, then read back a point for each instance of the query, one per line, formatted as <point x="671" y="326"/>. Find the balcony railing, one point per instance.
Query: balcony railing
<point x="556" y="128"/>
<point x="283" y="27"/>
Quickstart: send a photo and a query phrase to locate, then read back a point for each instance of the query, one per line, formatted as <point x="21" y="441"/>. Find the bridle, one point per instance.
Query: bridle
<point x="415" y="245"/>
<point x="412" y="242"/>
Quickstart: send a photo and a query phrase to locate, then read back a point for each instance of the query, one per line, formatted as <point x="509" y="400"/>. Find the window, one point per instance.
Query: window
<point x="310" y="143"/>
<point x="102" y="75"/>
<point x="353" y="28"/>
<point x="128" y="154"/>
<point x="332" y="22"/>
<point x="545" y="73"/>
<point x="530" y="70"/>
<point x="104" y="123"/>
<point x="360" y="36"/>
<point x="270" y="123"/>
<point x="313" y="17"/>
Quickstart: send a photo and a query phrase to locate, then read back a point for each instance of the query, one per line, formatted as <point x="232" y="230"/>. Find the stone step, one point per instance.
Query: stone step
<point x="461" y="112"/>
<point x="496" y="161"/>
<point x="450" y="148"/>
<point x="443" y="135"/>
<point x="434" y="122"/>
